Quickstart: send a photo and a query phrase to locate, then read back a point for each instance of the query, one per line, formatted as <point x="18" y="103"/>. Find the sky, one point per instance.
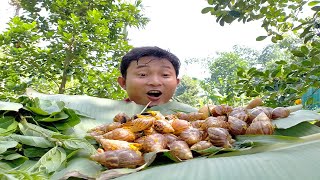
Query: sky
<point x="179" y="26"/>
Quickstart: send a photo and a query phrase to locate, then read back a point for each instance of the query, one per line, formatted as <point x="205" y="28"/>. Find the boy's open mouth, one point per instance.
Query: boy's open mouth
<point x="154" y="93"/>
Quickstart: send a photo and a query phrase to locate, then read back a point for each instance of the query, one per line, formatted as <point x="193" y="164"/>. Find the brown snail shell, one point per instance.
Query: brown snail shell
<point x="121" y="118"/>
<point x="237" y="126"/>
<point x="201" y="145"/>
<point x="96" y="133"/>
<point x="253" y="113"/>
<point x="163" y="126"/>
<point x="171" y="117"/>
<point x="154" y="143"/>
<point x="123" y="158"/>
<point x="139" y="124"/>
<point x="206" y="110"/>
<point x="181" y="150"/>
<point x="192" y="116"/>
<point x="181" y="115"/>
<point x="198" y="124"/>
<point x="221" y="110"/>
<point x="191" y="136"/>
<point x="170" y="138"/>
<point x="241" y="114"/>
<point x="110" y="144"/>
<point x="254" y="103"/>
<point x="261" y="125"/>
<point x="280" y="112"/>
<point x="106" y="128"/>
<point x="220" y="137"/>
<point x="180" y="125"/>
<point x="140" y="140"/>
<point x="149" y="131"/>
<point x="120" y="134"/>
<point x="156" y="114"/>
<point x="215" y="122"/>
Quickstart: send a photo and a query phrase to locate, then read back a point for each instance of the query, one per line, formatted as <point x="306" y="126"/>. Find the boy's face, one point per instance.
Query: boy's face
<point x="150" y="79"/>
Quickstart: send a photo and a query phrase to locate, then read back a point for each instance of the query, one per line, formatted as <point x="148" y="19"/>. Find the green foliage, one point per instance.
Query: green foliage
<point x="71" y="47"/>
<point x="284" y="77"/>
<point x="188" y="91"/>
<point x="220" y="87"/>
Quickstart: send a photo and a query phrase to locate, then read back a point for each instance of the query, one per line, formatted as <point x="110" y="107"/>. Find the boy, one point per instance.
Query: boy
<point x="149" y="75"/>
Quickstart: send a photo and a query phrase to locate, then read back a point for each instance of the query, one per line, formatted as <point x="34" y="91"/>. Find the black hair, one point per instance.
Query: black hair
<point x="136" y="53"/>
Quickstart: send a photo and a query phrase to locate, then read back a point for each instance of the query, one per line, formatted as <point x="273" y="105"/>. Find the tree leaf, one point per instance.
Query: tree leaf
<point x="8" y="125"/>
<point x="260" y="38"/>
<point x="51" y="161"/>
<point x="32" y="140"/>
<point x="5" y="145"/>
<point x="234" y="13"/>
<point x="79" y="168"/>
<point x="10" y="106"/>
<point x="206" y="10"/>
<point x="313" y="3"/>
<point x="316" y="8"/>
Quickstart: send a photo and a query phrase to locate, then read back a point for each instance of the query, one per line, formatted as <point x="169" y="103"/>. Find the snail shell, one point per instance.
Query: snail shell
<point x="253" y="113"/>
<point x="180" y="125"/>
<point x="220" y="110"/>
<point x="237" y="126"/>
<point x="156" y="114"/>
<point x="206" y="110"/>
<point x="220" y="137"/>
<point x="280" y="112"/>
<point x="163" y="126"/>
<point x="201" y="145"/>
<point x="215" y="122"/>
<point x="109" y="144"/>
<point x="181" y="150"/>
<point x="121" y="118"/>
<point x="191" y="136"/>
<point x="192" y="116"/>
<point x="105" y="128"/>
<point x="123" y="158"/>
<point x="120" y="134"/>
<point x="139" y="124"/>
<point x="197" y="124"/>
<point x="154" y="143"/>
<point x="241" y="114"/>
<point x="261" y="125"/>
<point x="170" y="138"/>
<point x="149" y="131"/>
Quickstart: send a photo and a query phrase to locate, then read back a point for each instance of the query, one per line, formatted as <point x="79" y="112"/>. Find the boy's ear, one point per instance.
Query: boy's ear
<point x="178" y="81"/>
<point x="122" y="82"/>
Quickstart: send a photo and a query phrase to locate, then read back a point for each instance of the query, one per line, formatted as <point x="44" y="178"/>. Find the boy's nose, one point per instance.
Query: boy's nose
<point x="154" y="81"/>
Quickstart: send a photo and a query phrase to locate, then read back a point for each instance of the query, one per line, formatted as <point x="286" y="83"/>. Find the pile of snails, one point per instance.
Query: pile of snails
<point x="125" y="140"/>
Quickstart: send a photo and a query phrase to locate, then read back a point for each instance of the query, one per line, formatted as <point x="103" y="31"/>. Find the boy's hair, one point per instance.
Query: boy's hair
<point x="136" y="53"/>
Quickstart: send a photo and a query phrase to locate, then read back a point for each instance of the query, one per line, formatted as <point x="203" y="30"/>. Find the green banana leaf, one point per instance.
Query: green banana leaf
<point x="290" y="161"/>
<point x="276" y="157"/>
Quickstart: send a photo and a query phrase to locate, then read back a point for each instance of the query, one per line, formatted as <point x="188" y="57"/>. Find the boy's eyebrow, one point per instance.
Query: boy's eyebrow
<point x="146" y="65"/>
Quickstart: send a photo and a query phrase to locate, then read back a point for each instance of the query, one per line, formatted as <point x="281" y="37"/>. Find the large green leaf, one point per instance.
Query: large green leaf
<point x="4" y="145"/>
<point x="280" y="161"/>
<point x="295" y="118"/>
<point x="81" y="168"/>
<point x="101" y="109"/>
<point x="10" y="106"/>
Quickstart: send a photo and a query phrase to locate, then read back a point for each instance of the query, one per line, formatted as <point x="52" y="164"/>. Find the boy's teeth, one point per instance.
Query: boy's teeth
<point x="154" y="91"/>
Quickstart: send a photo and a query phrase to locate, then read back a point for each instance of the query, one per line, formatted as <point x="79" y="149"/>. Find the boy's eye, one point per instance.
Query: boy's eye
<point x="142" y="74"/>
